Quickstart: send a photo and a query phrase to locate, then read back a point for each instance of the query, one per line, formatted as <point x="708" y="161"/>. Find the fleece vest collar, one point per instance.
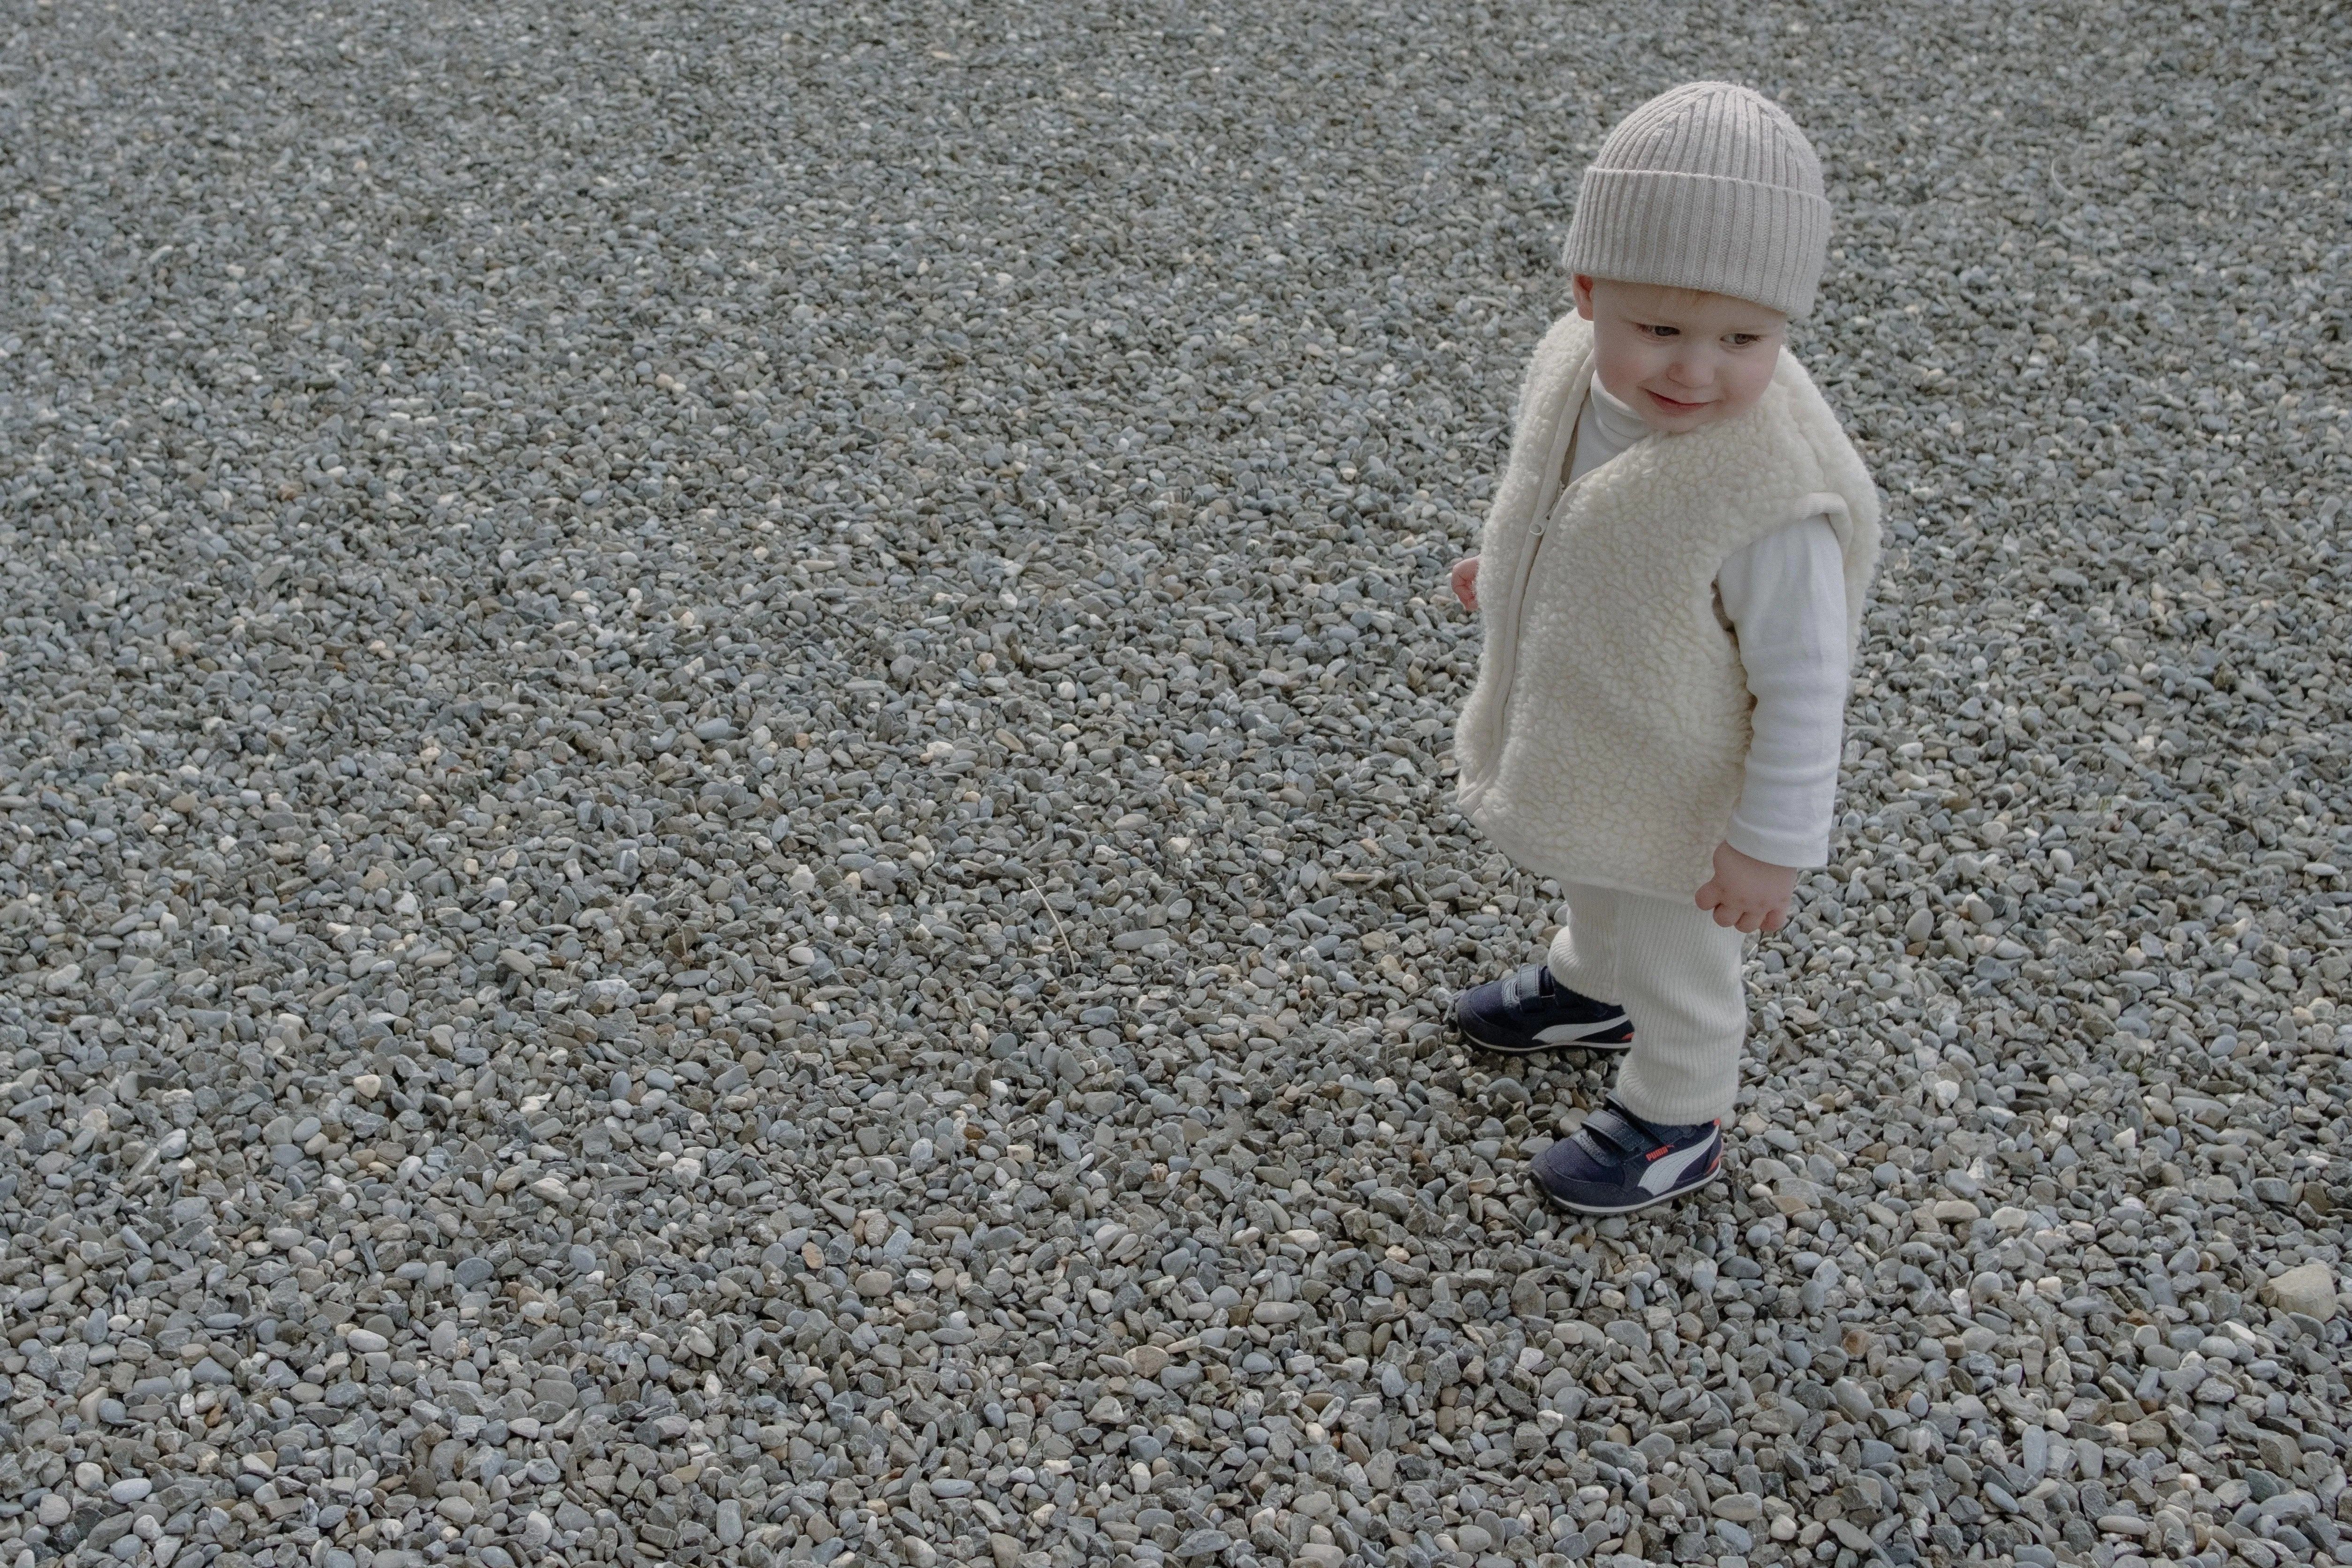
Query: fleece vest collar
<point x="1606" y="739"/>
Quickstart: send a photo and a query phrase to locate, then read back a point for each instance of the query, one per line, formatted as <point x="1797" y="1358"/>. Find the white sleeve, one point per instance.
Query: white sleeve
<point x="1786" y="596"/>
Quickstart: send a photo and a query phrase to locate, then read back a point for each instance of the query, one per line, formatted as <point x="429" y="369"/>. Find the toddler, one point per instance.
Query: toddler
<point x="1673" y="574"/>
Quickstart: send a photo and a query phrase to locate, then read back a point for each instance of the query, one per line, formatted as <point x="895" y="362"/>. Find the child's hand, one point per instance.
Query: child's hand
<point x="1748" y="892"/>
<point x="1465" y="581"/>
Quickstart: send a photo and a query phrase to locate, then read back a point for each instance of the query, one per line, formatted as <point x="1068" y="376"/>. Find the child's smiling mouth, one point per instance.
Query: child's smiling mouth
<point x="1670" y="405"/>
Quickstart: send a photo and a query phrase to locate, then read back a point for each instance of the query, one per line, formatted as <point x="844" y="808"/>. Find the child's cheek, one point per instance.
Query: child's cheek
<point x="1757" y="378"/>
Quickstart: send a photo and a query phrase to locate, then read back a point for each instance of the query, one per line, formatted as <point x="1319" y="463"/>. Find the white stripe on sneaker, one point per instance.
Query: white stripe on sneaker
<point x="1667" y="1170"/>
<point x="1569" y="1033"/>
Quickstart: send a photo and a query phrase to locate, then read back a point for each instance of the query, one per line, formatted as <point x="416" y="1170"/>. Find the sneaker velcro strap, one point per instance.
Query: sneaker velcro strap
<point x="1613" y="1132"/>
<point x="1525" y="986"/>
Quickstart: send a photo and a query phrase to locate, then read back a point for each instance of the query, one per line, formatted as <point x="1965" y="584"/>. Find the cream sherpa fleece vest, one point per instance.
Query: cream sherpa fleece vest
<point x="1606" y="740"/>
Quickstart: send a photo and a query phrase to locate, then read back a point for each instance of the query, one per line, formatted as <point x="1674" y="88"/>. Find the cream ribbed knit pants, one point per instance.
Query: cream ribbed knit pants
<point x="1676" y="973"/>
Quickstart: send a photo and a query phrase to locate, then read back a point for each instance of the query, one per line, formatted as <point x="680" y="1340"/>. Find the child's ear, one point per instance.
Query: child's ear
<point x="1582" y="285"/>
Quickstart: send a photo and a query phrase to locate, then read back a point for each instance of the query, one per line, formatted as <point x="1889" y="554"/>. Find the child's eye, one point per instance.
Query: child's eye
<point x="1663" y="332"/>
<point x="1741" y="340"/>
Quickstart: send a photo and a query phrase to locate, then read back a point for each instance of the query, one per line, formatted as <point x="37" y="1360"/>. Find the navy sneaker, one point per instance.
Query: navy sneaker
<point x="1616" y="1163"/>
<point x="1526" y="1012"/>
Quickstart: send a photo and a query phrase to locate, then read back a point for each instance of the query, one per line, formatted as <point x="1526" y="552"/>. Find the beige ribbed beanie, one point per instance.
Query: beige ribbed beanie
<point x="1708" y="185"/>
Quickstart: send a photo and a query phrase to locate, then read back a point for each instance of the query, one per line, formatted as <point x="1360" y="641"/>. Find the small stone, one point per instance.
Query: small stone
<point x="1851" y="1535"/>
<point x="874" y="1283"/>
<point x="1850" y="1399"/>
<point x="1794" y="1194"/>
<point x="2308" y="1289"/>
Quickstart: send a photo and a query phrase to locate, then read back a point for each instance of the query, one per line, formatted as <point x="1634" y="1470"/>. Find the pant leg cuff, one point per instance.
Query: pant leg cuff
<point x="1567" y="972"/>
<point x="1669" y="1109"/>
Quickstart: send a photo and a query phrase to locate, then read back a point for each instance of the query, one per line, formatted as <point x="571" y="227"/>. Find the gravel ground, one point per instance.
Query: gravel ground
<point x="726" y="770"/>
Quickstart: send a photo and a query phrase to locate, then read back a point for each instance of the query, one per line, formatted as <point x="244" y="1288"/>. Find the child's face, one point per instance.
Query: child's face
<point x="1682" y="358"/>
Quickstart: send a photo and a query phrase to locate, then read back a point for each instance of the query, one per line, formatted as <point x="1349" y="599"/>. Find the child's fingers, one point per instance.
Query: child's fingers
<point x="1464" y="583"/>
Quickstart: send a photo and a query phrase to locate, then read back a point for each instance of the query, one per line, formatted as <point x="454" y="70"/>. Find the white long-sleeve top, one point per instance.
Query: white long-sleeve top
<point x="1786" y="598"/>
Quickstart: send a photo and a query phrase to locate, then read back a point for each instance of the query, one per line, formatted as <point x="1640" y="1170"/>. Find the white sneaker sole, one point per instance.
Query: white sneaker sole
<point x="1575" y="1042"/>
